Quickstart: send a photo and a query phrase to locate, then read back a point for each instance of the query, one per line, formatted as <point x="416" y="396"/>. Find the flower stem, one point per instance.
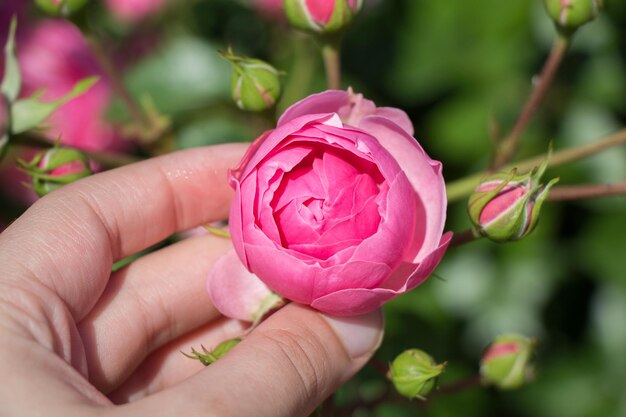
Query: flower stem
<point x="458" y="386"/>
<point x="106" y="159"/>
<point x="579" y="192"/>
<point x="120" y="88"/>
<point x="463" y="237"/>
<point x="332" y="62"/>
<point x="459" y="189"/>
<point x="507" y="148"/>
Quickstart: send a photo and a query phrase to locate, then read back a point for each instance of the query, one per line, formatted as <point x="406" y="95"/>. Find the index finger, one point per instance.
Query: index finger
<point x="72" y="236"/>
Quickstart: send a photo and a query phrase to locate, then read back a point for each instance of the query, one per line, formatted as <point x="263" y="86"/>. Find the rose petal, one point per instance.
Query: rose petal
<point x="424" y="175"/>
<point x="234" y="291"/>
<point x="356" y="301"/>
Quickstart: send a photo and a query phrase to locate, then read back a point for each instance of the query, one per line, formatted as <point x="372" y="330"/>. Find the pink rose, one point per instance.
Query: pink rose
<point x="338" y="207"/>
<point x="134" y="10"/>
<point x="54" y="57"/>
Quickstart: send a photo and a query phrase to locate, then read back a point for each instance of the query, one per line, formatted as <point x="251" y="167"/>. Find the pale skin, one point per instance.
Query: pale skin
<point x="78" y="340"/>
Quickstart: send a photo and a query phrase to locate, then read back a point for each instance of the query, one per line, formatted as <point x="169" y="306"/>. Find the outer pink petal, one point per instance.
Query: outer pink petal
<point x="356" y="301"/>
<point x="397" y="116"/>
<point x="349" y="106"/>
<point x="234" y="291"/>
<point x="329" y="101"/>
<point x="423" y="173"/>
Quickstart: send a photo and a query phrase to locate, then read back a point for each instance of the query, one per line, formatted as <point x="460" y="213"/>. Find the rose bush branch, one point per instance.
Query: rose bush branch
<point x="119" y="86"/>
<point x="508" y="146"/>
<point x="106" y="159"/>
<point x="580" y="192"/>
<point x="461" y="238"/>
<point x="459" y="189"/>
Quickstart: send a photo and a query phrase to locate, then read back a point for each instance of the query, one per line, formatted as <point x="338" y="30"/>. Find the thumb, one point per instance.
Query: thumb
<point x="285" y="367"/>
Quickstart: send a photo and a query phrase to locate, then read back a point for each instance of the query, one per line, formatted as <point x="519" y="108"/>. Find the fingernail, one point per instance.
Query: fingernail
<point x="360" y="335"/>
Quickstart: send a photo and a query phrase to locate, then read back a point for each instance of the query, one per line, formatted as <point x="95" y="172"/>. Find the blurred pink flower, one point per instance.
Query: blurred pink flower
<point x="273" y="9"/>
<point x="54" y="56"/>
<point x="134" y="10"/>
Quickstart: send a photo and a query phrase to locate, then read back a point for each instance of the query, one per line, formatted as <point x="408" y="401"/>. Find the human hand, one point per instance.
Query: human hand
<point x="76" y="339"/>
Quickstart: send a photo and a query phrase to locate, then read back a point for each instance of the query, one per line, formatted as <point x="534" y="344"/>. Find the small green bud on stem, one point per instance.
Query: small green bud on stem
<point x="569" y="15"/>
<point x="414" y="373"/>
<point x="256" y="84"/>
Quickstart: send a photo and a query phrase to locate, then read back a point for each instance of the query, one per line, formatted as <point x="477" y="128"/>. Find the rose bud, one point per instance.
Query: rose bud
<point x="414" y="373"/>
<point x="321" y="16"/>
<point x="505" y="207"/>
<point x="338" y="207"/>
<point x="506" y="363"/>
<point x="55" y="168"/>
<point x="60" y="7"/>
<point x="256" y="84"/>
<point x="569" y="15"/>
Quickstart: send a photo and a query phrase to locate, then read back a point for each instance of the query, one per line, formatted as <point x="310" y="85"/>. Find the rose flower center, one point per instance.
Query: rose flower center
<point x="330" y="200"/>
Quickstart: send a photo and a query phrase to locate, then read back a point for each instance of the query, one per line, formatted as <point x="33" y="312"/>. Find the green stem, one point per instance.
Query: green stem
<point x="586" y="191"/>
<point x="106" y="159"/>
<point x="119" y="86"/>
<point x="301" y="73"/>
<point x="507" y="148"/>
<point x="458" y="386"/>
<point x="332" y="62"/>
<point x="459" y="189"/>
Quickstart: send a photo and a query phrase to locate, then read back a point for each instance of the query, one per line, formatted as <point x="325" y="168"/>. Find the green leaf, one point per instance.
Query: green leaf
<point x="185" y="75"/>
<point x="28" y="113"/>
<point x="12" y="82"/>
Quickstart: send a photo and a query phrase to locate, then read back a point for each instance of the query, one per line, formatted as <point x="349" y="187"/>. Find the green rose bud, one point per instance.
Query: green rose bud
<point x="506" y="363"/>
<point x="56" y="167"/>
<point x="321" y="16"/>
<point x="505" y="207"/>
<point x="60" y="7"/>
<point x="255" y="85"/>
<point x="569" y="15"/>
<point x="207" y="357"/>
<point x="414" y="373"/>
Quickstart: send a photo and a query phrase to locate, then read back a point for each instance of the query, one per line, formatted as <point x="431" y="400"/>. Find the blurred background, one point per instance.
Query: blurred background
<point x="460" y="69"/>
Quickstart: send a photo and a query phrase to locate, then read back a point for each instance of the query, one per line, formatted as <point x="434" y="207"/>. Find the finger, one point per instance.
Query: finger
<point x="79" y="230"/>
<point x="286" y="367"/>
<point x="168" y="366"/>
<point x="154" y="300"/>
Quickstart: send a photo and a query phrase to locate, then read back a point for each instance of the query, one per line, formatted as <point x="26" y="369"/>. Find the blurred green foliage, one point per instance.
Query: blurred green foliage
<point x="458" y="68"/>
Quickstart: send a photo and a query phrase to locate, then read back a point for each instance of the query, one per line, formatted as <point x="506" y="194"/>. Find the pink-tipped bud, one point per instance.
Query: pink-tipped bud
<point x="321" y="16"/>
<point x="505" y="207"/>
<point x="56" y="167"/>
<point x="506" y="362"/>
